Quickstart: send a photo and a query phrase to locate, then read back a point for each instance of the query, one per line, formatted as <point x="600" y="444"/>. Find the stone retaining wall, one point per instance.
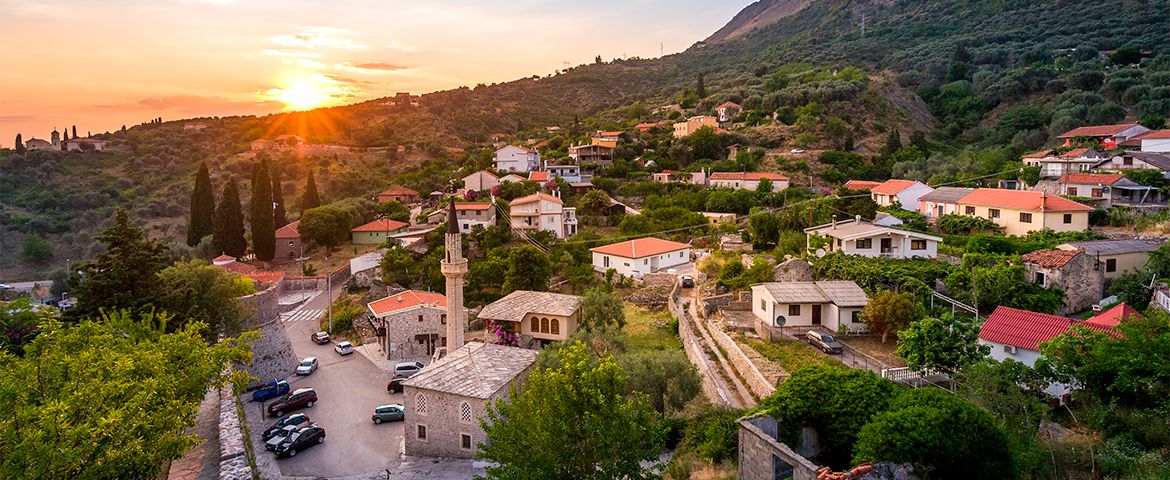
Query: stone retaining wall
<point x="653" y="279"/>
<point x="233" y="459"/>
<point x="691" y="346"/>
<point x="272" y="353"/>
<point x="762" y="457"/>
<point x="340" y="276"/>
<point x="710" y="305"/>
<point x="316" y="282"/>
<point x="760" y="385"/>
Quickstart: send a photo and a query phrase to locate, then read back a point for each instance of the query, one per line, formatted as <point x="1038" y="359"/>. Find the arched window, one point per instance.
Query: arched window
<point x="543" y="325"/>
<point x="556" y="327"/>
<point x="535" y="325"/>
<point x="420" y="404"/>
<point x="465" y="412"/>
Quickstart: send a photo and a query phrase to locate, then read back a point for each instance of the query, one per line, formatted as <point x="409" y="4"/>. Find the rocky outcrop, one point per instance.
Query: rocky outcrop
<point x="756" y="15"/>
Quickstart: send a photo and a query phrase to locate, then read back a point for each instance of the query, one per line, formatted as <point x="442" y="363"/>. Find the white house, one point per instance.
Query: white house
<point x="1138" y="161"/>
<point x="541" y="211"/>
<point x="480" y="181"/>
<point x="829" y="304"/>
<point x="1055" y="164"/>
<point x="571" y="173"/>
<point x="727" y="111"/>
<point x="859" y="237"/>
<point x="746" y="180"/>
<point x="511" y="177"/>
<point x="675" y="176"/>
<point x="1016" y="334"/>
<point x="941" y="201"/>
<point x="471" y="214"/>
<point x="635" y="258"/>
<point x="516" y="159"/>
<point x="905" y="192"/>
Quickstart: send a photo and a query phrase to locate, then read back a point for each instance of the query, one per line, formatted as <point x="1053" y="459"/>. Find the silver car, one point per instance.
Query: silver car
<point x="407" y="369"/>
<point x="307" y="366"/>
<point x="344" y="348"/>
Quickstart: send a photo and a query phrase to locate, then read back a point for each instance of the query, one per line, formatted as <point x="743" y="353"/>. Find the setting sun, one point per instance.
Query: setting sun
<point x="300" y="95"/>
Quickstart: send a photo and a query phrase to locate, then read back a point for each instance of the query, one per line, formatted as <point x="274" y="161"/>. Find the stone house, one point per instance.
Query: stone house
<point x="1116" y="257"/>
<point x="289" y="245"/>
<point x="412" y="324"/>
<point x="446" y="400"/>
<point x="533" y="318"/>
<point x="1074" y="272"/>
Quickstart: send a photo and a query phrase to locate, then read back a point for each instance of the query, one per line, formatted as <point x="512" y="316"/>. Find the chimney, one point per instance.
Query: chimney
<point x="1043" y="201"/>
<point x="834" y="221"/>
<point x="857" y="218"/>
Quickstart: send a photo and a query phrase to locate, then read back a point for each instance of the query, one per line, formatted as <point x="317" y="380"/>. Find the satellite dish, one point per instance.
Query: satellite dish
<point x="1105" y="189"/>
<point x="780" y="320"/>
<point x="820" y="252"/>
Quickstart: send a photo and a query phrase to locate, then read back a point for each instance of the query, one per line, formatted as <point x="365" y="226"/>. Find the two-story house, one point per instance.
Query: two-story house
<point x="412" y="324"/>
<point x="376" y="232"/>
<point x="1107" y="137"/>
<point x="541" y="211"/>
<point x="693" y="124"/>
<point x="1131" y="160"/>
<point x="480" y="181"/>
<point x="1104" y="190"/>
<point x="746" y="180"/>
<point x="1054" y="164"/>
<point x="634" y="258"/>
<point x="859" y="237"/>
<point x="942" y="201"/>
<point x="471" y="214"/>
<point x="512" y="158"/>
<point x="1021" y="211"/>
<point x="904" y="192"/>
<point x="727" y="111"/>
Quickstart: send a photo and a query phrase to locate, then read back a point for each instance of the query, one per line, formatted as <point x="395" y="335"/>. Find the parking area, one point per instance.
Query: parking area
<point x="348" y="389"/>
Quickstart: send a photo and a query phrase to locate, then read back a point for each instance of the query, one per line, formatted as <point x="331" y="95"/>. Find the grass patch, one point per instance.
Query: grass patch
<point x="650" y="330"/>
<point x="791" y="355"/>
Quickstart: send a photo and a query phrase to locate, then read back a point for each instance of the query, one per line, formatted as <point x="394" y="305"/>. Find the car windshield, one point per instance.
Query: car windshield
<point x="306" y="363"/>
<point x="827" y="338"/>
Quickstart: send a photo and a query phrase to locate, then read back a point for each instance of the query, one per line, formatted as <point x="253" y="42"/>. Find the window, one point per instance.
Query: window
<point x="1009" y="349"/>
<point x="1127" y="161"/>
<point x="605" y="262"/>
<point x="993" y="213"/>
<point x="1025" y="217"/>
<point x="855" y="316"/>
<point x="680" y="254"/>
<point x="465" y="441"/>
<point x="763" y="305"/>
<point x="535" y="327"/>
<point x="543" y="325"/>
<point x="1040" y="279"/>
<point x="1097" y="193"/>
<point x="1067" y="218"/>
<point x="422" y="432"/>
<point x="646" y="261"/>
<point x="443" y="318"/>
<point x="865" y="244"/>
<point x="1111" y="265"/>
<point x="420" y="317"/>
<point x="420" y="405"/>
<point x="1071" y="191"/>
<point x="969" y="210"/>
<point x="556" y="327"/>
<point x="794" y="310"/>
<point x="465" y="412"/>
<point x="918" y="244"/>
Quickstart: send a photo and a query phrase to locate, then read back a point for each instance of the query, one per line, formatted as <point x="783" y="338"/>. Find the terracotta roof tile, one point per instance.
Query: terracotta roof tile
<point x="728" y="104"/>
<point x="1092" y="178"/>
<point x="1024" y="329"/>
<point x="472" y="205"/>
<point x="1152" y="134"/>
<point x="265" y="277"/>
<point x="892" y="187"/>
<point x="1051" y="258"/>
<point x="1021" y="200"/>
<point x="1114" y="316"/>
<point x="861" y="184"/>
<point x="1097" y="130"/>
<point x="746" y="176"/>
<point x="289" y="231"/>
<point x="1040" y="154"/>
<point x="537" y="196"/>
<point x="399" y="190"/>
<point x="406" y="300"/>
<point x="538" y="176"/>
<point x="642" y="247"/>
<point x="381" y="225"/>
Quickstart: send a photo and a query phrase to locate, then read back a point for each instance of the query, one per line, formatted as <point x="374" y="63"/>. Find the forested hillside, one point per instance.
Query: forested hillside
<point x="981" y="81"/>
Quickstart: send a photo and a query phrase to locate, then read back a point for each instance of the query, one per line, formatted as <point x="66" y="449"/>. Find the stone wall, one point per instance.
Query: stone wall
<point x="655" y="279"/>
<point x="340" y="276"/>
<point x="691" y="347"/>
<point x="272" y="353"/>
<point x="793" y="270"/>
<point x="760" y="385"/>
<point x="367" y="277"/>
<point x="443" y="424"/>
<point x="402" y="328"/>
<point x="316" y="282"/>
<point x="1082" y="281"/>
<point x="762" y="457"/>
<point x="233" y="460"/>
<point x="710" y="305"/>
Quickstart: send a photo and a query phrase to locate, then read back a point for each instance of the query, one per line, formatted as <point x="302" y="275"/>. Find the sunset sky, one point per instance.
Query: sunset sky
<point x="103" y="64"/>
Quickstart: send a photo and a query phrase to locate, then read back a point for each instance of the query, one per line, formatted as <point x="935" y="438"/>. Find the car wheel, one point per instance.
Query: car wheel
<point x="321" y="439"/>
<point x="278" y="413"/>
<point x="310" y="404"/>
<point x="292" y="452"/>
<point x="377" y="421"/>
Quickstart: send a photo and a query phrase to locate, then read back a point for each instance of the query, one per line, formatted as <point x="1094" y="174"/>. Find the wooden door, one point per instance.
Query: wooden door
<point x="816" y="314"/>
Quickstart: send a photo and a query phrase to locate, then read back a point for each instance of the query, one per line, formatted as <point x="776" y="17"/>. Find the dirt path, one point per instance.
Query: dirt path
<point x="201" y="462"/>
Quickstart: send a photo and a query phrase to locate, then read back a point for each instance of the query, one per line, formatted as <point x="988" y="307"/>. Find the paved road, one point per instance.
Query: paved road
<point x="348" y="388"/>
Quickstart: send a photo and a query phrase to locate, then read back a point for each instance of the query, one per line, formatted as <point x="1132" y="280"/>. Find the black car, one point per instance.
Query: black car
<point x="302" y="439"/>
<point x="294" y="419"/>
<point x="688" y="281"/>
<point x="395" y="385"/>
<point x="825" y="342"/>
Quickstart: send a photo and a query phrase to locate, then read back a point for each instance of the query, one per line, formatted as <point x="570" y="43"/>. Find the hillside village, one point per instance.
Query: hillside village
<point x="818" y="275"/>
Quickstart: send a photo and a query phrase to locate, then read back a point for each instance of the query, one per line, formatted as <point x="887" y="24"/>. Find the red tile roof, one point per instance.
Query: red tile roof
<point x="1024" y="329"/>
<point x="747" y="176"/>
<point x="861" y="184"/>
<point x="1075" y="153"/>
<point x="642" y="247"/>
<point x="472" y="205"/>
<point x="1040" y="154"/>
<point x="381" y="225"/>
<point x="647" y="125"/>
<point x="537" y="196"/>
<point x="1092" y="178"/>
<point x="265" y="277"/>
<point x="1051" y="258"/>
<point x="223" y="258"/>
<point x="1021" y="200"/>
<point x="728" y="104"/>
<point x="1114" y="316"/>
<point x="399" y="190"/>
<point x="1152" y="134"/>
<point x="1097" y="130"/>
<point x="289" y="231"/>
<point x="610" y="134"/>
<point x="892" y="187"/>
<point x="406" y="300"/>
<point x="538" y="176"/>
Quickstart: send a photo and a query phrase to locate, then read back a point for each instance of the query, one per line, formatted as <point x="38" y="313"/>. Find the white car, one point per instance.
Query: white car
<point x="797" y="150"/>
<point x="344" y="348"/>
<point x="407" y="369"/>
<point x="307" y="366"/>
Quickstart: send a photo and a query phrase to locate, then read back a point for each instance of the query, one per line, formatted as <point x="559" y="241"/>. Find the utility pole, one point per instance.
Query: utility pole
<point x="863" y="26"/>
<point x="660" y="49"/>
<point x="329" y="294"/>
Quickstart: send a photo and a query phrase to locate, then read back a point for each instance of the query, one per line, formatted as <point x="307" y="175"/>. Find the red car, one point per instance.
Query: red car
<point x="301" y="398"/>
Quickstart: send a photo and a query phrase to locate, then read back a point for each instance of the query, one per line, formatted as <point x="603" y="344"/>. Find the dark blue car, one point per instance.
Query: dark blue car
<point x="270" y="391"/>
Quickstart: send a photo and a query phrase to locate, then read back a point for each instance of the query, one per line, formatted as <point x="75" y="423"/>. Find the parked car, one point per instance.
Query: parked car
<point x="823" y="341"/>
<point x="389" y="413"/>
<point x="272" y="390"/>
<point x="296" y="419"/>
<point x="307" y="366"/>
<point x="301" y="398"/>
<point x="281" y="435"/>
<point x="688" y="281"/>
<point x="395" y="385"/>
<point x="302" y="439"/>
<point x="407" y="369"/>
<point x="797" y="150"/>
<point x="320" y="338"/>
<point x="344" y="348"/>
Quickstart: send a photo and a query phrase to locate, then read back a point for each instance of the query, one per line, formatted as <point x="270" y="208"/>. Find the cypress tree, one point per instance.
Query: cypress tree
<point x="202" y="220"/>
<point x="261" y="219"/>
<point x="75" y="131"/>
<point x="19" y="144"/>
<point x="310" y="199"/>
<point x="278" y="212"/>
<point x="64" y="136"/>
<point x="700" y="89"/>
<point x="229" y="222"/>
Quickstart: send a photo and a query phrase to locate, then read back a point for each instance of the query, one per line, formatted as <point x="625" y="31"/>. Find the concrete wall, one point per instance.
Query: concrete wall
<point x="761" y="456"/>
<point x="272" y="353"/>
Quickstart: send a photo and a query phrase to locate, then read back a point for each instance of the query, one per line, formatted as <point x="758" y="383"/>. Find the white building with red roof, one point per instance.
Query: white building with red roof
<point x="1103" y="190"/>
<point x="1151" y="141"/>
<point x="1014" y="334"/>
<point x="541" y="211"/>
<point x="512" y="158"/>
<point x="634" y="258"/>
<point x="411" y="323"/>
<point x="746" y="180"/>
<point x="727" y="111"/>
<point x="904" y="192"/>
<point x="377" y="231"/>
<point x="471" y="214"/>
<point x="480" y="181"/>
<point x="1021" y="211"/>
<point x="1108" y="136"/>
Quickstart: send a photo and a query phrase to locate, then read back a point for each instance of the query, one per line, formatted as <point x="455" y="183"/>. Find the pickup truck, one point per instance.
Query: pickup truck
<point x="270" y="391"/>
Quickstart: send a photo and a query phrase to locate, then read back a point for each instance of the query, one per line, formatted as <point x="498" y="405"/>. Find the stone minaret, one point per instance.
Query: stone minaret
<point x="454" y="268"/>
